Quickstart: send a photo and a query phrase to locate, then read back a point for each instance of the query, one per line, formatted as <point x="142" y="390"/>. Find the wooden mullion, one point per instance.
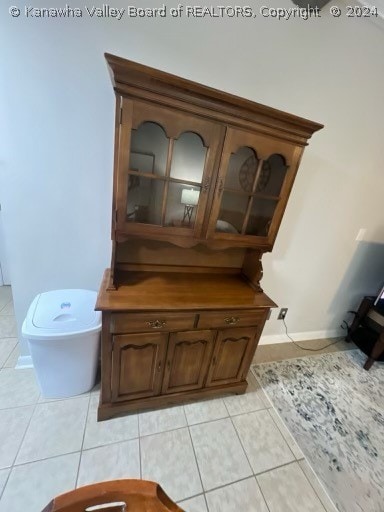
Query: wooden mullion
<point x="266" y="196"/>
<point x="166" y="184"/>
<point x="159" y="177"/>
<point x="185" y="182"/>
<point x="251" y="199"/>
<point x="148" y="175"/>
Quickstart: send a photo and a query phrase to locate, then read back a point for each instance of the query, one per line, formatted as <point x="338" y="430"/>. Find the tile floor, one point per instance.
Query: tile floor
<point x="225" y="455"/>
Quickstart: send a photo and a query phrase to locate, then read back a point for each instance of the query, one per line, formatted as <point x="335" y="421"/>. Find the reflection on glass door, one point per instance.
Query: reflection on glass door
<point x="251" y="192"/>
<point x="164" y="177"/>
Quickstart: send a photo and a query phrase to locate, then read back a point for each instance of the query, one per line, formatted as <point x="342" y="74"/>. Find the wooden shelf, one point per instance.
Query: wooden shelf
<point x="179" y="291"/>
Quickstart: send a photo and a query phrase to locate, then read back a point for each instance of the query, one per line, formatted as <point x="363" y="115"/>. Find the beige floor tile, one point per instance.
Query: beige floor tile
<point x="219" y="454"/>
<point x="56" y="428"/>
<point x="294" y="447"/>
<point x="5" y="296"/>
<point x="115" y="461"/>
<point x="286" y="489"/>
<point x="8" y="327"/>
<point x="161" y="420"/>
<point x="17" y="388"/>
<point x="32" y="486"/>
<point x="205" y="410"/>
<point x="317" y="486"/>
<point x="99" y="433"/>
<point x="8" y="309"/>
<point x="168" y="459"/>
<point x="3" y="479"/>
<point x="244" y="496"/>
<point x="262" y="441"/>
<point x="11" y="362"/>
<point x="7" y="345"/>
<point x="196" y="504"/>
<point x="13" y="424"/>
<point x="250" y="401"/>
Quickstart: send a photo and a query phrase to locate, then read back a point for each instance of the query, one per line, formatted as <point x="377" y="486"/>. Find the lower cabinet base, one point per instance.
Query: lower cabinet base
<point x="108" y="410"/>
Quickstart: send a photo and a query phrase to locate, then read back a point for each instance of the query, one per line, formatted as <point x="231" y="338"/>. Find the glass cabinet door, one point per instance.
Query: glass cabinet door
<point x="167" y="160"/>
<point x="249" y="199"/>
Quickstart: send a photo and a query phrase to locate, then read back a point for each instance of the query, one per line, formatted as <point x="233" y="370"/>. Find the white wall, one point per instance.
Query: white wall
<point x="56" y="164"/>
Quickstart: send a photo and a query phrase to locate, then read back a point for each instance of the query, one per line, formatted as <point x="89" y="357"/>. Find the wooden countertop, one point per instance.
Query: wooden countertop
<point x="178" y="291"/>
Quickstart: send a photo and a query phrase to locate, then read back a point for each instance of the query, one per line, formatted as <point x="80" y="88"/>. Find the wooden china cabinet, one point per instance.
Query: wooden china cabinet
<point x="201" y="182"/>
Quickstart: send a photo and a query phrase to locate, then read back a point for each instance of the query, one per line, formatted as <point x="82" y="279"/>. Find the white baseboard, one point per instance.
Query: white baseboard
<point x="270" y="339"/>
<point x="24" y="362"/>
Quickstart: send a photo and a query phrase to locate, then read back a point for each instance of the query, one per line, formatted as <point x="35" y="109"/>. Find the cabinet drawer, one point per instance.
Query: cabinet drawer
<point x="141" y="322"/>
<point x="234" y="318"/>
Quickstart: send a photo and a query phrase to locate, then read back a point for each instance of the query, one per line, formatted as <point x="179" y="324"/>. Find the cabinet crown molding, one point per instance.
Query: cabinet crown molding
<point x="139" y="81"/>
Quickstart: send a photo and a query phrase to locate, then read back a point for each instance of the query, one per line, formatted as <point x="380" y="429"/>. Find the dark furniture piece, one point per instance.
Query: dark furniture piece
<point x="201" y="182"/>
<point x="367" y="330"/>
<point x="135" y="495"/>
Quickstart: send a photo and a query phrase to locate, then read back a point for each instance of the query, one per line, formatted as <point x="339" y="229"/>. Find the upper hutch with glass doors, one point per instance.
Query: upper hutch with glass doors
<point x="198" y="169"/>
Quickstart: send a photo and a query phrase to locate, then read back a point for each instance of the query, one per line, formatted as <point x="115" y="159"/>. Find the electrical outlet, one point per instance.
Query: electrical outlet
<point x="282" y="314"/>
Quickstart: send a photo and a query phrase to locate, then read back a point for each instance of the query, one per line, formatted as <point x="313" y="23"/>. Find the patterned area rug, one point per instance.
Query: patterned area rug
<point x="335" y="411"/>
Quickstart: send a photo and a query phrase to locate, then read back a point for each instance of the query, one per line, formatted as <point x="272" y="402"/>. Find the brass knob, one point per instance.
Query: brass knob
<point x="157" y="324"/>
<point x="231" y="320"/>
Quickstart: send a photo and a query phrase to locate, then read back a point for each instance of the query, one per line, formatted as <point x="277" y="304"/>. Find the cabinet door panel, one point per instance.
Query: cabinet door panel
<point x="138" y="363"/>
<point x="188" y="358"/>
<point x="232" y="355"/>
<point x="255" y="177"/>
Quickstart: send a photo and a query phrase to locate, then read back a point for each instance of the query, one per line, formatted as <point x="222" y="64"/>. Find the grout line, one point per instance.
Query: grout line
<point x="24" y="436"/>
<point x="242" y="446"/>
<point x="197" y="463"/>
<point x="262" y="494"/>
<point x="205" y="499"/>
<point x="180" y="502"/>
<point x="271" y="469"/>
<point x="104" y="445"/>
<point x="314" y="490"/>
<point x="5" y="305"/>
<point x="276" y="467"/>
<point x="249" y="477"/>
<point x="202" y="422"/>
<point x="82" y="441"/>
<point x="6" y="481"/>
<point x="288" y="433"/>
<point x="282" y="435"/>
<point x="10" y="355"/>
<point x="138" y="433"/>
<point x="15" y="466"/>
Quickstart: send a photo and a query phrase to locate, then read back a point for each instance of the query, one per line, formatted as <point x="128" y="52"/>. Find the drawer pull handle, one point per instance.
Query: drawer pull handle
<point x="157" y="324"/>
<point x="231" y="320"/>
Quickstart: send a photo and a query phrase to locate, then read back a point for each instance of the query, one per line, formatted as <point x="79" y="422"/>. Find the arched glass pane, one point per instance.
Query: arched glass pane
<point x="272" y="175"/>
<point x="182" y="202"/>
<point x="242" y="168"/>
<point x="188" y="158"/>
<point x="145" y="199"/>
<point x="233" y="208"/>
<point x="260" y="218"/>
<point x="149" y="149"/>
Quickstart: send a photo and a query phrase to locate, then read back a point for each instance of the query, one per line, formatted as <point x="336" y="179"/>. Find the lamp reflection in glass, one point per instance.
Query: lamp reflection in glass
<point x="189" y="198"/>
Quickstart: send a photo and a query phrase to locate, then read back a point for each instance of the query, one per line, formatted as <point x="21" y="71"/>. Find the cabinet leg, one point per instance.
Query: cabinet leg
<point x="376" y="352"/>
<point x="369" y="362"/>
